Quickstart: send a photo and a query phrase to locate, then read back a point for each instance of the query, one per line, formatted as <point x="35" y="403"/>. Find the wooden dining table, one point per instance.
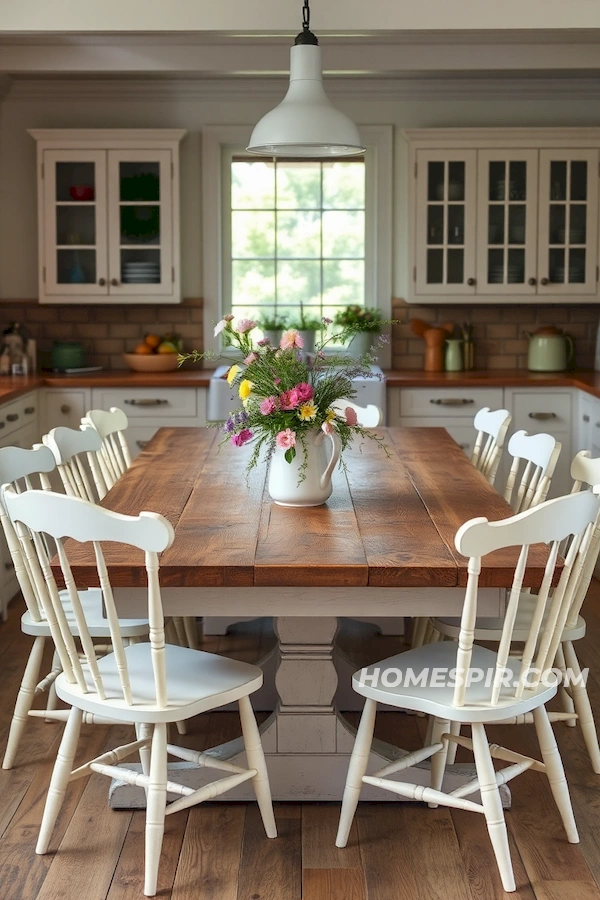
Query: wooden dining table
<point x="382" y="545"/>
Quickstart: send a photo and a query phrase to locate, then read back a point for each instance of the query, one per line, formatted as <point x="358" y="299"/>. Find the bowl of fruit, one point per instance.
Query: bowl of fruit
<point x="154" y="354"/>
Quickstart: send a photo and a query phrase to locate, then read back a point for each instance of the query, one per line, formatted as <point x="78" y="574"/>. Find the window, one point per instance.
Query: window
<point x="296" y="236"/>
<point x="278" y="233"/>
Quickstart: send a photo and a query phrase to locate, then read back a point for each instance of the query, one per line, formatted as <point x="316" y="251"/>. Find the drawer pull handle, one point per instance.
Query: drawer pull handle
<point x="142" y="444"/>
<point x="452" y="401"/>
<point x="29" y="410"/>
<point x="146" y="402"/>
<point x="464" y="446"/>
<point x="586" y="418"/>
<point x="65" y="408"/>
<point x="543" y="416"/>
<point x="12" y="417"/>
<point x="8" y="566"/>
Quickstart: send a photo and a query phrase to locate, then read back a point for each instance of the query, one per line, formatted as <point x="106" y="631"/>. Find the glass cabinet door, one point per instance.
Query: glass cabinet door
<point x="140" y="217"/>
<point x="506" y="215"/>
<point x="445" y="222"/>
<point x="74" y="222"/>
<point x="568" y="229"/>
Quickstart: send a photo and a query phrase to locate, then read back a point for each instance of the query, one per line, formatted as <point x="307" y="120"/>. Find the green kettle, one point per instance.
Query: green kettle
<point x="550" y="350"/>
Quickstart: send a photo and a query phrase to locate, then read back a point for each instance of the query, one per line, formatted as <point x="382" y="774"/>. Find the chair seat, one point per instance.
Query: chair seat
<point x="91" y="601"/>
<point x="490" y="629"/>
<point x="436" y="700"/>
<point x="197" y="681"/>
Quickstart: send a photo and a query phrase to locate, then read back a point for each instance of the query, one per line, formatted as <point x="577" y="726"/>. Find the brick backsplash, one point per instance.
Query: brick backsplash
<point x="498" y="331"/>
<point x="106" y="332"/>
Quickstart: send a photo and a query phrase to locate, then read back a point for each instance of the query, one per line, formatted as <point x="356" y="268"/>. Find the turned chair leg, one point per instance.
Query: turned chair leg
<point x="566" y="701"/>
<point x="357" y="768"/>
<point x="60" y="778"/>
<point x="438" y="760"/>
<point x="256" y="760"/>
<point x="492" y="805"/>
<point x="583" y="708"/>
<point x="24" y="701"/>
<point x="155" y="809"/>
<point x="555" y="771"/>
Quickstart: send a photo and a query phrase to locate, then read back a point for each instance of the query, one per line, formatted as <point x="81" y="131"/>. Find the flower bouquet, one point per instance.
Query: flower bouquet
<point x="287" y="397"/>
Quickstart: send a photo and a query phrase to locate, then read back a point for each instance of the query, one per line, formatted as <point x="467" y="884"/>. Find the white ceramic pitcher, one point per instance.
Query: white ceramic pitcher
<point x="285" y="486"/>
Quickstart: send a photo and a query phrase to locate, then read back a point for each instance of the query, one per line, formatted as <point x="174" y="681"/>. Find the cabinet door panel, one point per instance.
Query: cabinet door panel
<point x="507" y="221"/>
<point x="64" y="407"/>
<point x="73" y="230"/>
<point x="568" y="222"/>
<point x="140" y="215"/>
<point x="445" y="222"/>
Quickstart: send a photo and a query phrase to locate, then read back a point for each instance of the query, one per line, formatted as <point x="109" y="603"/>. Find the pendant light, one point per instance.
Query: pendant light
<point x="305" y="124"/>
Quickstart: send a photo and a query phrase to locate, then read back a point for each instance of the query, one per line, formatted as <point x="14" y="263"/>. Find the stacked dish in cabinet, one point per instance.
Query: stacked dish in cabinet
<point x="135" y="272"/>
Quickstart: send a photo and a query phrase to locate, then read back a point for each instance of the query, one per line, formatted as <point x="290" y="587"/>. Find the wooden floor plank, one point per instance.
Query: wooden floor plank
<point x="210" y="856"/>
<point x="333" y="884"/>
<point x="270" y="868"/>
<point x="319" y="828"/>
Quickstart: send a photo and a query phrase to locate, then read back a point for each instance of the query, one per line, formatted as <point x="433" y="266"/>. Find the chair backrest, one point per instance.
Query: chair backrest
<point x="491" y="426"/>
<point x="17" y="467"/>
<point x="585" y="473"/>
<point x="43" y="513"/>
<point x="534" y="460"/>
<point x="114" y="456"/>
<point x="77" y="453"/>
<point x="550" y="523"/>
<point x="368" y="416"/>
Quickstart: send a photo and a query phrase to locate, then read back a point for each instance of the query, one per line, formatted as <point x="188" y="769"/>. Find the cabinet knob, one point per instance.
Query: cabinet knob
<point x="102" y="282"/>
<point x="12" y="417"/>
<point x="114" y="282"/>
<point x="471" y="282"/>
<point x="65" y="408"/>
<point x="543" y="281"/>
<point x="142" y="444"/>
<point x="586" y="418"/>
<point x="29" y="410"/>
<point x="532" y="281"/>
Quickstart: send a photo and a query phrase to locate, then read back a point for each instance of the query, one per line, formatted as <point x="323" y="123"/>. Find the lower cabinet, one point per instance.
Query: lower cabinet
<point x="64" y="406"/>
<point x="19" y="427"/>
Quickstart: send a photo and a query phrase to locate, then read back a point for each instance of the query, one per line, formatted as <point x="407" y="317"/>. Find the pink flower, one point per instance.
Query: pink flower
<point x="245" y="325"/>
<point x="252" y="357"/>
<point x="286" y="402"/>
<point x="351" y="417"/>
<point x="264" y="342"/>
<point x="228" y="318"/>
<point x="301" y="393"/>
<point x="291" y="340"/>
<point x="238" y="440"/>
<point x="268" y="405"/>
<point x="286" y="439"/>
<point x="327" y="427"/>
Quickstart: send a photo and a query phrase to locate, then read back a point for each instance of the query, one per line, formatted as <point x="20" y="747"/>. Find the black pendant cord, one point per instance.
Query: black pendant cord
<point x="306" y="36"/>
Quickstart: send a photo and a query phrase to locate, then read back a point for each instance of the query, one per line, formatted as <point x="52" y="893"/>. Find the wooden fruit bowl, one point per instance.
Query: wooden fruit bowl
<point x="151" y="362"/>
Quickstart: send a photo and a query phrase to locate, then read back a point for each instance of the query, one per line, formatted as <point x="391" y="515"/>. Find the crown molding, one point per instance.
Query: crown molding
<point x="404" y="87"/>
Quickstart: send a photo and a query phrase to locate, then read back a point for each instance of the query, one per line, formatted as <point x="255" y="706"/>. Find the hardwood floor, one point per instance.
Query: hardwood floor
<point x="397" y="851"/>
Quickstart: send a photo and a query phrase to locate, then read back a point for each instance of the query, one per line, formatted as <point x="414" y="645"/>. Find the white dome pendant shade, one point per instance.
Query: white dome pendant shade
<point x="305" y="124"/>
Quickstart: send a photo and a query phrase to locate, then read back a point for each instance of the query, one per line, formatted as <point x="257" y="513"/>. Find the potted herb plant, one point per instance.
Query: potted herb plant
<point x="362" y="323"/>
<point x="307" y="326"/>
<point x="272" y="325"/>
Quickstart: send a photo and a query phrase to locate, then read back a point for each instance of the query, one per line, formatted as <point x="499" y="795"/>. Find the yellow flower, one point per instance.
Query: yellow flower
<point x="245" y="389"/>
<point x="330" y="415"/>
<point x="307" y="411"/>
<point x="233" y="370"/>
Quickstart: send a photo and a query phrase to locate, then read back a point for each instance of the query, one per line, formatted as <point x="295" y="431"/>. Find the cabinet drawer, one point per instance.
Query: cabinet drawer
<point x="448" y="403"/>
<point x="64" y="407"/>
<point x="18" y="414"/>
<point x="542" y="411"/>
<point x="149" y="403"/>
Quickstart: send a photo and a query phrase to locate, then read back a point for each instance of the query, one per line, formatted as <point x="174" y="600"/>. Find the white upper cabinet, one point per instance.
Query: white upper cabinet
<point x="108" y="208"/>
<point x="504" y="215"/>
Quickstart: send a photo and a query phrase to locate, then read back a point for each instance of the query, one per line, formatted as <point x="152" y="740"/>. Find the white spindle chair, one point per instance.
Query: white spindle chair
<point x="510" y="686"/>
<point x="368" y="416"/>
<point x="149" y="684"/>
<point x="77" y="452"/>
<point x="534" y="460"/>
<point x="17" y="468"/>
<point x="585" y="473"/>
<point x="107" y="465"/>
<point x="527" y="485"/>
<point x="114" y="456"/>
<point x="491" y="427"/>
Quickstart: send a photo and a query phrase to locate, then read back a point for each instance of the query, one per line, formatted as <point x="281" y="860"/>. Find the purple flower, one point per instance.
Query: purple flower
<point x="241" y="417"/>
<point x="326" y="321"/>
<point x="238" y="440"/>
<point x="229" y="426"/>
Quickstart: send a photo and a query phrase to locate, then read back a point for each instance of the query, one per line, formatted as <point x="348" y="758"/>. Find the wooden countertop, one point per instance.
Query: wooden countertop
<point x="13" y="386"/>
